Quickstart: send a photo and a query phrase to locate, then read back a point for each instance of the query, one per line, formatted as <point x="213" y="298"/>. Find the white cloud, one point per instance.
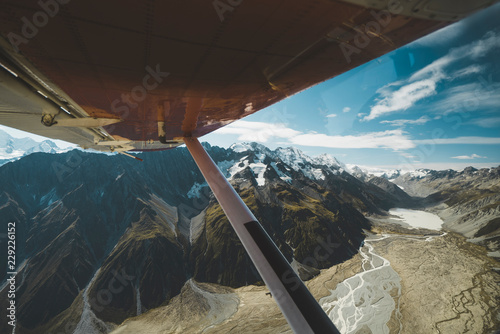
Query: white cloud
<point x="397" y="140"/>
<point x="346" y="109"/>
<point x="331" y="115"/>
<point x="460" y="140"/>
<point x="402" y="95"/>
<point x="474" y="50"/>
<point x="490" y="122"/>
<point x="467" y="98"/>
<point x="394" y="139"/>
<point x="403" y="98"/>
<point x="263" y="132"/>
<point x="258" y="131"/>
<point x="402" y="122"/>
<point x="469" y="157"/>
<point x="408" y="155"/>
<point x="472" y="69"/>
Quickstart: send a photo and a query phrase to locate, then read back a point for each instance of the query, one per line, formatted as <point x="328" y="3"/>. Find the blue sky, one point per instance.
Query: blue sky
<point x="434" y="103"/>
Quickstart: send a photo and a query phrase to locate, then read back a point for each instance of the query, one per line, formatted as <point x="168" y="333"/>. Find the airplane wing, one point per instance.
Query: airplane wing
<point x="150" y="75"/>
<point x="145" y="74"/>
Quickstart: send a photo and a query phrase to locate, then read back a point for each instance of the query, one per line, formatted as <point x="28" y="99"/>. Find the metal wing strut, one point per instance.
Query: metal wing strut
<point x="299" y="307"/>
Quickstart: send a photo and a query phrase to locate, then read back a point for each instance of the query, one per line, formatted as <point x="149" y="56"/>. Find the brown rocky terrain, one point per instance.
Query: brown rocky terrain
<point x="448" y="285"/>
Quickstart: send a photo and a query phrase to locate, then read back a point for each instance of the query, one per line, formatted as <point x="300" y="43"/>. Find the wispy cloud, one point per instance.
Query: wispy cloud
<point x="468" y="97"/>
<point x="460" y="140"/>
<point x="402" y="95"/>
<point x="403" y="98"/>
<point x="474" y="50"/>
<point x="402" y="122"/>
<point x="469" y="157"/>
<point x="258" y="131"/>
<point x="331" y="115"/>
<point x="264" y="132"/>
<point x="489" y="122"/>
<point x="346" y="109"/>
<point x="464" y="72"/>
<point x="394" y="139"/>
<point x="397" y="140"/>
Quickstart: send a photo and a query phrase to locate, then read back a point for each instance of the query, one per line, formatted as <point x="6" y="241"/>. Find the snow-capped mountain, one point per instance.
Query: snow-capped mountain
<point x="14" y="148"/>
<point x="258" y="158"/>
<point x="264" y="164"/>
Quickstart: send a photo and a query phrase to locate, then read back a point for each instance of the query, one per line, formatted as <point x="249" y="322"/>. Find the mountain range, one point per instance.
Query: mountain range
<point x="15" y="148"/>
<point x="101" y="239"/>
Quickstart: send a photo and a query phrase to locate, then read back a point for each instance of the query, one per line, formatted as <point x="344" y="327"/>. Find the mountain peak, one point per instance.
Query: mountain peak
<point x="12" y="148"/>
<point x="244" y="147"/>
<point x="327" y="159"/>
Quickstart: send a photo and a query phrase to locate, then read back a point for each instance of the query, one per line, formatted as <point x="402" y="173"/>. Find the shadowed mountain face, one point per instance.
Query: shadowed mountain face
<point x="103" y="238"/>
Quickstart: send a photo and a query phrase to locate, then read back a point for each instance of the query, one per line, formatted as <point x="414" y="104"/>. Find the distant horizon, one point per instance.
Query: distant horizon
<point x="369" y="168"/>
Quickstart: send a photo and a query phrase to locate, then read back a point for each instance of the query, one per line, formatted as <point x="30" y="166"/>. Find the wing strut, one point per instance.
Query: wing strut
<point x="299" y="307"/>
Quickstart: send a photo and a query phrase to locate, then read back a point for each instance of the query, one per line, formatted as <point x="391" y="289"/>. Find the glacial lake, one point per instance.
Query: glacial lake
<point x="416" y="218"/>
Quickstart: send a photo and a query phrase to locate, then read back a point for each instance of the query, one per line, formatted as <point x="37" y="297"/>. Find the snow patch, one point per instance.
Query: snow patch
<point x="419" y="173"/>
<point x="224" y="167"/>
<point x="282" y="175"/>
<point x="195" y="191"/>
<point x="328" y="160"/>
<point x="259" y="169"/>
<point x="237" y="167"/>
<point x="241" y="147"/>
